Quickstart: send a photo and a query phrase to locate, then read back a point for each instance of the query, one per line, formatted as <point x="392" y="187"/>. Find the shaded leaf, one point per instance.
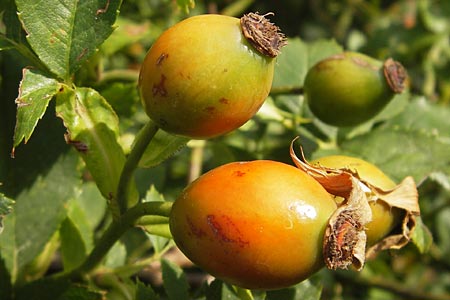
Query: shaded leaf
<point x="162" y="146"/>
<point x="310" y="289"/>
<point x="40" y="210"/>
<point x="5" y="281"/>
<point x="6" y="206"/>
<point x="144" y="292"/>
<point x="219" y="290"/>
<point x="174" y="281"/>
<point x="38" y="214"/>
<point x="35" y="92"/>
<point x="65" y="33"/>
<point x="56" y="289"/>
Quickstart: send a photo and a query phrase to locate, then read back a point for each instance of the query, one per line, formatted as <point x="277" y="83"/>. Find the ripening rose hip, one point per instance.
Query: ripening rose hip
<point x="209" y="74"/>
<point x="257" y="224"/>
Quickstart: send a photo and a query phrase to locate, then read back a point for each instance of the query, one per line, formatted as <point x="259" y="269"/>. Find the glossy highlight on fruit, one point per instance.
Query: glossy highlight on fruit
<point x="203" y="78"/>
<point x="384" y="217"/>
<point x="350" y="88"/>
<point x="257" y="224"/>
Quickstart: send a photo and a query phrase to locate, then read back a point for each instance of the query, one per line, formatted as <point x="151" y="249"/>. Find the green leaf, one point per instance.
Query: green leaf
<point x="94" y="130"/>
<point x="38" y="214"/>
<point x="306" y="290"/>
<point x="35" y="92"/>
<point x="144" y="292"/>
<point x="174" y="281"/>
<point x="56" y="289"/>
<point x="116" y="256"/>
<point x="65" y="33"/>
<point x="73" y="249"/>
<point x="421" y="236"/>
<point x="162" y="146"/>
<point x="40" y="210"/>
<point x="414" y="143"/>
<point x="219" y="290"/>
<point x="90" y="202"/>
<point x="6" y="206"/>
<point x="297" y="57"/>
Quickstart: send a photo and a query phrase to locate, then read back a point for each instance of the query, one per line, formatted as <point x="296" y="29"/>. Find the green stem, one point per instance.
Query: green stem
<point x="115" y="230"/>
<point x="142" y="140"/>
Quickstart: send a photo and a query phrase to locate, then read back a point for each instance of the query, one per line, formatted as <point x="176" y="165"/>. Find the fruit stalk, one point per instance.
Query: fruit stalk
<point x="142" y="140"/>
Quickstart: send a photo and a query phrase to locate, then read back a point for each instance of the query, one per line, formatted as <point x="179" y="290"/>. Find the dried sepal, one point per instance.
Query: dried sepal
<point x="405" y="197"/>
<point x="262" y="34"/>
<point x="335" y="181"/>
<point x="345" y="237"/>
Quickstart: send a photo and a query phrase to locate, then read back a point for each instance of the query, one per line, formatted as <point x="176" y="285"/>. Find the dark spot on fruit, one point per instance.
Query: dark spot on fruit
<point x="239" y="173"/>
<point x="210" y="109"/>
<point x="198" y="232"/>
<point x="161" y="58"/>
<point x="225" y="70"/>
<point x="226" y="230"/>
<point x="160" y="89"/>
<point x="224" y="100"/>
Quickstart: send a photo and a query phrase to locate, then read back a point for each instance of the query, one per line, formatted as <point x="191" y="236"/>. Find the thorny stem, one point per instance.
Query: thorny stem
<point x="142" y="140"/>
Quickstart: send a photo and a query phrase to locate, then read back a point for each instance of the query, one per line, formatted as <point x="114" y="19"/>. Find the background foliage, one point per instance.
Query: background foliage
<point x="79" y="61"/>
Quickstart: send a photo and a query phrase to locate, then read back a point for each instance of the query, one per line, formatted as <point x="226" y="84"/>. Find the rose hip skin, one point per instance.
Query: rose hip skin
<point x="256" y="224"/>
<point x="202" y="78"/>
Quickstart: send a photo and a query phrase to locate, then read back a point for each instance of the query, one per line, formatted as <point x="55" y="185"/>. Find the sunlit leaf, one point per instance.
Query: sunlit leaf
<point x="93" y="130"/>
<point x="65" y="33"/>
<point x="162" y="146"/>
<point x="35" y="92"/>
